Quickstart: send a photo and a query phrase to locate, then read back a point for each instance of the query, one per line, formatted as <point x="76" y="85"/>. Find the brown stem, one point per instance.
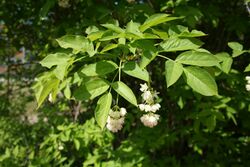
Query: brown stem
<point x="77" y="110"/>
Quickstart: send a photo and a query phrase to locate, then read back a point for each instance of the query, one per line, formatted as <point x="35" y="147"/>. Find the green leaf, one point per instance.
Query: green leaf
<point x="201" y="81"/>
<point x="133" y="69"/>
<point x="198" y="59"/>
<point x="149" y="51"/>
<point x="91" y="89"/>
<point x="100" y="68"/>
<point x="109" y="47"/>
<point x="193" y="33"/>
<point x="147" y="57"/>
<point x="237" y="48"/>
<point x="133" y="28"/>
<point x="226" y="61"/>
<point x="61" y="60"/>
<point x="91" y="29"/>
<point x="77" y="144"/>
<point x="247" y="69"/>
<point x="144" y="44"/>
<point x="113" y="28"/>
<point x="122" y="41"/>
<point x="155" y="20"/>
<point x="173" y="72"/>
<point x="179" y="44"/>
<point x="211" y="122"/>
<point x="131" y="36"/>
<point x="108" y="36"/>
<point x="176" y="30"/>
<point x="123" y="90"/>
<point x="45" y="85"/>
<point x="61" y="70"/>
<point x="150" y="36"/>
<point x="77" y="43"/>
<point x="55" y="59"/>
<point x="102" y="109"/>
<point x="162" y="34"/>
<point x="67" y="92"/>
<point x="95" y="35"/>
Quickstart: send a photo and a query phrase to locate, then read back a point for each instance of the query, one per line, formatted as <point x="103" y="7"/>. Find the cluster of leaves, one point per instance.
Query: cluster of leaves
<point x="112" y="49"/>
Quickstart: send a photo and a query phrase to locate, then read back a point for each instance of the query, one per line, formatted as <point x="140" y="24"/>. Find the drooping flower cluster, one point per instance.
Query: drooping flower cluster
<point x="116" y="119"/>
<point x="149" y="119"/>
<point x="248" y="83"/>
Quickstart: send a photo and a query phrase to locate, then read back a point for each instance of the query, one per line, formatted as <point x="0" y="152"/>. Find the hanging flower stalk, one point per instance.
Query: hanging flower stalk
<point x="116" y="119"/>
<point x="149" y="105"/>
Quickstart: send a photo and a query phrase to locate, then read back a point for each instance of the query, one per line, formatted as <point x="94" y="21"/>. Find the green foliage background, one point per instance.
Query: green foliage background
<point x="194" y="130"/>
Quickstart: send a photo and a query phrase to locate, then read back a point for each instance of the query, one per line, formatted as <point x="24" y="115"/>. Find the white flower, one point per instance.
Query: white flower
<point x="148" y="108"/>
<point x="141" y="107"/>
<point x="45" y="119"/>
<point x="248" y="87"/>
<point x="115" y="125"/>
<point x="50" y="98"/>
<point x="116" y="119"/>
<point x="123" y="111"/>
<point x="60" y="147"/>
<point x="150" y="120"/>
<point x="155" y="107"/>
<point x="147" y="96"/>
<point x="247" y="78"/>
<point x="121" y="120"/>
<point x="144" y="87"/>
<point x="114" y="114"/>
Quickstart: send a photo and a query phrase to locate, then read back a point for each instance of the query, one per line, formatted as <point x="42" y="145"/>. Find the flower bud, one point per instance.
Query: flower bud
<point x="123" y="111"/>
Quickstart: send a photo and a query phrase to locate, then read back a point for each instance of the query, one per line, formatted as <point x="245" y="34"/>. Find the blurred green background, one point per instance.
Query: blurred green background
<point x="193" y="130"/>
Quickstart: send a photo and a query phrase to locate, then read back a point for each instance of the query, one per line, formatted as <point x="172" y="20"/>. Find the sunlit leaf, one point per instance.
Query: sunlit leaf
<point x="173" y="72"/>
<point x="123" y="90"/>
<point x="155" y="20"/>
<point x="67" y="92"/>
<point x="226" y="61"/>
<point x="102" y="109"/>
<point x="133" y="28"/>
<point x="55" y="59"/>
<point x="237" y="48"/>
<point x="77" y="43"/>
<point x="201" y="81"/>
<point x="91" y="89"/>
<point x="109" y="47"/>
<point x="44" y="86"/>
<point x="113" y="28"/>
<point x="197" y="58"/>
<point x="179" y="44"/>
<point x="77" y="144"/>
<point x="133" y="69"/>
<point x="247" y="69"/>
<point x="100" y="68"/>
